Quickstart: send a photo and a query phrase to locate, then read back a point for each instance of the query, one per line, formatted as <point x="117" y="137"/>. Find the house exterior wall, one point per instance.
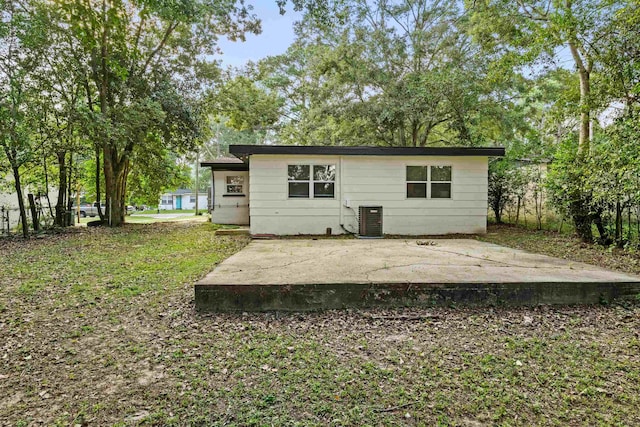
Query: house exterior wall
<point x="230" y="208"/>
<point x="188" y="204"/>
<point x="368" y="181"/>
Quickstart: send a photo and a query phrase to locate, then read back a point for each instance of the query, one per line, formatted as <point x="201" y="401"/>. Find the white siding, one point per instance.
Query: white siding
<point x="368" y="181"/>
<point x="230" y="209"/>
<point x="202" y="201"/>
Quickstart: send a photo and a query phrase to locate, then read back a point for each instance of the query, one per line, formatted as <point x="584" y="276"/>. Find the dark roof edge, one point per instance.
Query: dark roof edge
<point x="240" y="166"/>
<point x="241" y="151"/>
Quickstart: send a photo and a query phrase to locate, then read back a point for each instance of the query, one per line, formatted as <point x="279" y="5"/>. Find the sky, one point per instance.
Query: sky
<point x="277" y="35"/>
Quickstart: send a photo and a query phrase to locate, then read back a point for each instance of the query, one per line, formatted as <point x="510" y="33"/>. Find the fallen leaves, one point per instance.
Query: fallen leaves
<point x="94" y="355"/>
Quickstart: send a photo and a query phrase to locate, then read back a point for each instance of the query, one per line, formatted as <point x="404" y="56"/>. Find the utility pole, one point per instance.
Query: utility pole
<point x="197" y="176"/>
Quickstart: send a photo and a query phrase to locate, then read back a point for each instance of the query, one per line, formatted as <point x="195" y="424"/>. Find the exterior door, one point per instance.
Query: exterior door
<point x="178" y="202"/>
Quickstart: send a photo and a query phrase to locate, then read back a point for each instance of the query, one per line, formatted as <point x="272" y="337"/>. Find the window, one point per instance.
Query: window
<point x="433" y="182"/>
<point x="299" y="179"/>
<point x="307" y="181"/>
<point x="324" y="179"/>
<point x="416" y="182"/>
<point x="234" y="184"/>
<point x="166" y="200"/>
<point x="440" y="182"/>
<point x="192" y="199"/>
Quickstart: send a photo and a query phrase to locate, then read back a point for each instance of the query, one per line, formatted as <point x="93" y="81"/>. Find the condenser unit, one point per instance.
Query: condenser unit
<point x="370" y="221"/>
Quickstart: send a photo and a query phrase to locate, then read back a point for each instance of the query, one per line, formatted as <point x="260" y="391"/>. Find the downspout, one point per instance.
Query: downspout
<point x="213" y="193"/>
<point x="340" y="192"/>
<point x="342" y="201"/>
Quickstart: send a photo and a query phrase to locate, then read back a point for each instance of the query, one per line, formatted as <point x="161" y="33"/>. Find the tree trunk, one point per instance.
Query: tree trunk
<point x="629" y="233"/>
<point x="68" y="217"/>
<point x="46" y="186"/>
<point x="496" y="208"/>
<point x="23" y="211"/>
<point x="62" y="187"/>
<point x="34" y="212"/>
<point x="100" y="213"/>
<point x="581" y="220"/>
<point x="618" y="233"/>
<point x="584" y="138"/>
<point x="604" y="236"/>
<point x="580" y="206"/>
<point x="115" y="176"/>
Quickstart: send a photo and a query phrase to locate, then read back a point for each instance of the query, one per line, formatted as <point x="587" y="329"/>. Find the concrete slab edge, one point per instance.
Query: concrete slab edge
<point x="314" y="297"/>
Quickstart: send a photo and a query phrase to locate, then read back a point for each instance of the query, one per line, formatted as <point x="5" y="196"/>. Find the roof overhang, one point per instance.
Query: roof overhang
<point x="244" y="151"/>
<point x="226" y="165"/>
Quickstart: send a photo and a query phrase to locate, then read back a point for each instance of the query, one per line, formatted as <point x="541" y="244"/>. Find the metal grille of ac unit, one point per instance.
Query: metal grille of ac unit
<point x="370" y="221"/>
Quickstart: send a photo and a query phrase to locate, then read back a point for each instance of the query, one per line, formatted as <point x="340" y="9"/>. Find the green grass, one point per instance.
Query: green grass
<point x="98" y="327"/>
<point x="563" y="245"/>
<point x="169" y="211"/>
<point x="147" y="217"/>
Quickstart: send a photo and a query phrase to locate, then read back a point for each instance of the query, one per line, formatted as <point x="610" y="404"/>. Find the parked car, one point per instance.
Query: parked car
<point x="88" y="209"/>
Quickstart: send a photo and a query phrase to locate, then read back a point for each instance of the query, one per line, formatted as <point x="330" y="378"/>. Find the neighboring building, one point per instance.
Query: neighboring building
<point x="183" y="199"/>
<point x="370" y="191"/>
<point x="9" y="201"/>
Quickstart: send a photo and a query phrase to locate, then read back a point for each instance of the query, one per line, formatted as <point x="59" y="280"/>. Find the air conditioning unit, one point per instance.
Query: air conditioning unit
<point x="370" y="221"/>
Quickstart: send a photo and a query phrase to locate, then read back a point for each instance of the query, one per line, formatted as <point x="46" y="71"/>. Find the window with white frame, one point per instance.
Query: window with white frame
<point x="235" y="184"/>
<point x="166" y="200"/>
<point x="311" y="181"/>
<point x="192" y="199"/>
<point x="432" y="182"/>
<point x="440" y="182"/>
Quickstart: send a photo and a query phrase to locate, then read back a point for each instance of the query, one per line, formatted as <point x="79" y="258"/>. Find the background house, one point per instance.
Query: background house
<point x="9" y="201"/>
<point x="183" y="199"/>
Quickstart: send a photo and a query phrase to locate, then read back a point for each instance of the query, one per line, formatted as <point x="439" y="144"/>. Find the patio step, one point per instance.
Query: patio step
<point x="232" y="232"/>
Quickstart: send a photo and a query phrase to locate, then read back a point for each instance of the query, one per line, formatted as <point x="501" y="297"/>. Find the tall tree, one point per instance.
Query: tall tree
<point x="21" y="38"/>
<point x="528" y="32"/>
<point x="389" y="72"/>
<point x="145" y="63"/>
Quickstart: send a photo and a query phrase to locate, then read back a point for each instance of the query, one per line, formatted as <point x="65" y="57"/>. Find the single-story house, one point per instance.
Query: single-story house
<point x="369" y="191"/>
<point x="183" y="199"/>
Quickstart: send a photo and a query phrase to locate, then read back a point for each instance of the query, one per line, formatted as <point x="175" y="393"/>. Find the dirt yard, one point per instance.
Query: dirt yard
<point x="97" y="327"/>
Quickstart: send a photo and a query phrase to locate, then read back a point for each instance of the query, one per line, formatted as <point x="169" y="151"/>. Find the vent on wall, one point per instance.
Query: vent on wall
<point x="370" y="221"/>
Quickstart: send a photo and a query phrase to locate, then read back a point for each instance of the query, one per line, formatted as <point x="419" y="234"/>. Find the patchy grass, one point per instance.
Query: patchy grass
<point x="97" y="327"/>
<point x="561" y="245"/>
<point x="169" y="211"/>
<point x="150" y="217"/>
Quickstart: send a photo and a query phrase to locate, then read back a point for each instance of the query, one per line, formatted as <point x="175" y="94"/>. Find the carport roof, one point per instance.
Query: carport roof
<point x="244" y="151"/>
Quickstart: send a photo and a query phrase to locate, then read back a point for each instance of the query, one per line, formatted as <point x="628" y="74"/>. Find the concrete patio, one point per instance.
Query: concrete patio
<point x="309" y="274"/>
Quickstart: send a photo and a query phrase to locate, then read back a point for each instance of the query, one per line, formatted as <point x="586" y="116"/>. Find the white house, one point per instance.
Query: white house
<point x="183" y="199"/>
<point x="369" y="191"/>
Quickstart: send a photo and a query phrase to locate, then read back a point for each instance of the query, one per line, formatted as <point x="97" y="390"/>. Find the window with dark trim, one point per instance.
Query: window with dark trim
<point x="311" y="181"/>
<point x="235" y="184"/>
<point x="432" y="182"/>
